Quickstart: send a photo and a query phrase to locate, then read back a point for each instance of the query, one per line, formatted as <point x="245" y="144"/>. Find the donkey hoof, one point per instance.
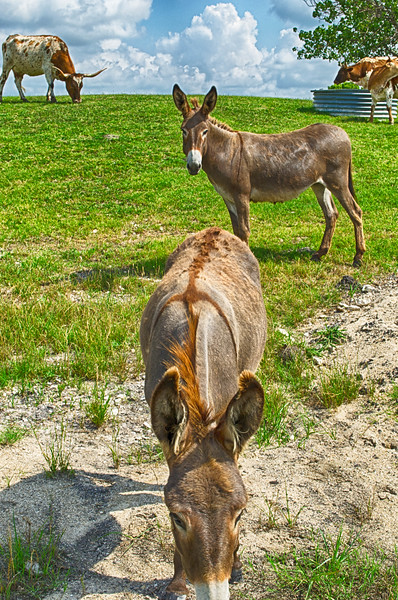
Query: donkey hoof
<point x="236" y="576"/>
<point x="166" y="595"/>
<point x="357" y="263"/>
<point x="316" y="258"/>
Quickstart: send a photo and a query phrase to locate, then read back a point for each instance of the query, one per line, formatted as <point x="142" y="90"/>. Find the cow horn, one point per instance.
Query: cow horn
<point x="64" y="75"/>
<point x="93" y="74"/>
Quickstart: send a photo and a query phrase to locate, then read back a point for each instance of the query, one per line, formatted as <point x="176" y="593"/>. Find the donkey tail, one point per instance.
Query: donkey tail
<point x="350" y="183"/>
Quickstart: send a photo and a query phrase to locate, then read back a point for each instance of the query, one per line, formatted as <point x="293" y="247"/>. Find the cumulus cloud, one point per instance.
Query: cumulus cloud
<point x="220" y="47"/>
<point x="294" y="12"/>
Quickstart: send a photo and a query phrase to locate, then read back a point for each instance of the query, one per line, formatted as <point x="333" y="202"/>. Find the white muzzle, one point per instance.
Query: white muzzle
<point x="216" y="590"/>
<point x="194" y="162"/>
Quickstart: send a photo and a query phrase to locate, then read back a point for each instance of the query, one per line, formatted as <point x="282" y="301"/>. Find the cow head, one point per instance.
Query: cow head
<point x="74" y="82"/>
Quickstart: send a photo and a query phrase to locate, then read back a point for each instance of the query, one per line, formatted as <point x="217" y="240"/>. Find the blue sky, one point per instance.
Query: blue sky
<point x="243" y="47"/>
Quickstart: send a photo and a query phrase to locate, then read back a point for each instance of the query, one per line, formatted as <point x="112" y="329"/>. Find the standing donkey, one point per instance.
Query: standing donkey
<point x="202" y="334"/>
<point x="246" y="167"/>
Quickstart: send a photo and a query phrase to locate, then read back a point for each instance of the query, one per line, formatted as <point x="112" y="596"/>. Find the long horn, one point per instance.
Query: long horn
<point x="93" y="74"/>
<point x="64" y="75"/>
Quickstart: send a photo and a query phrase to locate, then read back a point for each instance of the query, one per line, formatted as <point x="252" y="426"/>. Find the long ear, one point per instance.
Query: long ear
<point x="169" y="413"/>
<point x="243" y="415"/>
<point x="180" y="100"/>
<point x="209" y="102"/>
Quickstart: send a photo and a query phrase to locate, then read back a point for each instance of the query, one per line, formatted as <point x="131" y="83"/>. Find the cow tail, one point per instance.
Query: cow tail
<point x="350" y="183"/>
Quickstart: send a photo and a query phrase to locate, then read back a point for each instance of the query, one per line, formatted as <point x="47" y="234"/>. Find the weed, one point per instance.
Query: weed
<point x="97" y="409"/>
<point x="11" y="434"/>
<point x="30" y="563"/>
<point x="336" y="570"/>
<point x="273" y="427"/>
<point x="58" y="452"/>
<point x="145" y="453"/>
<point x="338" y="386"/>
<point x="364" y="511"/>
<point x="278" y="515"/>
<point x="330" y="337"/>
<point x="114" y="447"/>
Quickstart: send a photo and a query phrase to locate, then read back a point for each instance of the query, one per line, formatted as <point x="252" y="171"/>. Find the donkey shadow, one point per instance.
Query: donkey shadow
<point x="81" y="508"/>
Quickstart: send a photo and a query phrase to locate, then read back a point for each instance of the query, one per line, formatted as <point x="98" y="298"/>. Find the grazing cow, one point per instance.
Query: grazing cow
<point x="361" y="72"/>
<point x="246" y="167"/>
<point x="202" y="335"/>
<point x="383" y="84"/>
<point x="41" y="55"/>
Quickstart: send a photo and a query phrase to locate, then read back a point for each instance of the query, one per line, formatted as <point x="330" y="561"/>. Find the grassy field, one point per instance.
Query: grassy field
<point x="94" y="197"/>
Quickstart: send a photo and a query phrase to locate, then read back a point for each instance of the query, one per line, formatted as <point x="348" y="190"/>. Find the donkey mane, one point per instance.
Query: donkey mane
<point x="200" y="415"/>
<point x="221" y="125"/>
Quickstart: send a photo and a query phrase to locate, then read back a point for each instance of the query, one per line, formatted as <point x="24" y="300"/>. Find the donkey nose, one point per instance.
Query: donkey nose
<point x="194" y="162"/>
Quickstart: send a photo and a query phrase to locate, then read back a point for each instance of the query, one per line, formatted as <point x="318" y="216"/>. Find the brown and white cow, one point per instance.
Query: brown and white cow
<point x="383" y="85"/>
<point x="41" y="55"/>
<point x="370" y="73"/>
<point x="361" y="71"/>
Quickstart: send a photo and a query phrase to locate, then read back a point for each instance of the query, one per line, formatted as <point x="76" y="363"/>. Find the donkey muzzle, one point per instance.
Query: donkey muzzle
<point x="194" y="162"/>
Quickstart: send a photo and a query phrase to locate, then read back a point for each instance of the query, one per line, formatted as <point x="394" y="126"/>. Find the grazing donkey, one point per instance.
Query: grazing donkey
<point x="202" y="334"/>
<point x="246" y="166"/>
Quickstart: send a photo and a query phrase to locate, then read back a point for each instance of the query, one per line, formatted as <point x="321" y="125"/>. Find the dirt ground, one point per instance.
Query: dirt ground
<point x="116" y="535"/>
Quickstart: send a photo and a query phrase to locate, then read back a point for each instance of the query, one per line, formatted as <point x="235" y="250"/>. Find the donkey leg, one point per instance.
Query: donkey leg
<point x="239" y="213"/>
<point x="330" y="213"/>
<point x="236" y="573"/>
<point x="177" y="588"/>
<point x="354" y="211"/>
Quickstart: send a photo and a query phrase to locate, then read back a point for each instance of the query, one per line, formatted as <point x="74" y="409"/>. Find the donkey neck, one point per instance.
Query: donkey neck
<point x="223" y="146"/>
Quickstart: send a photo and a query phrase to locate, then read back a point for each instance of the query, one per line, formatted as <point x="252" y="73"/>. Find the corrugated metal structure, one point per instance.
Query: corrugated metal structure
<point x="350" y="102"/>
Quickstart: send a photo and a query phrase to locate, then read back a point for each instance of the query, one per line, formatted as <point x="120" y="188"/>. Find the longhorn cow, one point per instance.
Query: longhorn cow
<point x="41" y="55"/>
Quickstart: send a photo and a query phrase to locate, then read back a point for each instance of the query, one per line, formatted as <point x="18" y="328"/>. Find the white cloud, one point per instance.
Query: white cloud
<point x="294" y="12"/>
<point x="220" y="47"/>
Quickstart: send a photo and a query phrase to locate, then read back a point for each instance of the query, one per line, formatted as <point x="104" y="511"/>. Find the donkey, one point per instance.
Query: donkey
<point x="274" y="168"/>
<point x="202" y="335"/>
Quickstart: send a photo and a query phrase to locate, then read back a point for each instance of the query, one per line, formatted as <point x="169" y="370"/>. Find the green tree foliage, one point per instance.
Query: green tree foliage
<point x="351" y="30"/>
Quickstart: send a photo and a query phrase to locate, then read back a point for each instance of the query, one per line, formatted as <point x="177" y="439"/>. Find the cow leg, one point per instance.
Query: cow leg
<point x="3" y="79"/>
<point x="177" y="588"/>
<point x="50" y="92"/>
<point x="389" y="98"/>
<point x="372" y="110"/>
<point x="18" y="83"/>
<point x="330" y="213"/>
<point x="354" y="211"/>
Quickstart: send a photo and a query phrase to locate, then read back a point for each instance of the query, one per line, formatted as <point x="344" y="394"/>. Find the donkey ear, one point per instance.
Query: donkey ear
<point x="168" y="413"/>
<point x="243" y="415"/>
<point x="209" y="102"/>
<point x="180" y="100"/>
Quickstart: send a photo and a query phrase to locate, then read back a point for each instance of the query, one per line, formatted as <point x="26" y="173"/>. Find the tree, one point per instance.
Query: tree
<point x="351" y="30"/>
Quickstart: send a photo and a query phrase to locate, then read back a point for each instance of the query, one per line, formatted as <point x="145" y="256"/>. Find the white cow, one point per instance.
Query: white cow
<point x="41" y="55"/>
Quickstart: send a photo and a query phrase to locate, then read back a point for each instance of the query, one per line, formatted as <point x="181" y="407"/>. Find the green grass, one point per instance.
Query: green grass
<point x="11" y="434"/>
<point x="86" y="225"/>
<point x="30" y="563"/>
<point x="335" y="569"/>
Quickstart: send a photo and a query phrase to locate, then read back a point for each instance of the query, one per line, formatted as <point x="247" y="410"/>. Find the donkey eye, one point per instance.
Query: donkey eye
<point x="178" y="521"/>
<point x="204" y="133"/>
<point x="184" y="132"/>
<point x="238" y="518"/>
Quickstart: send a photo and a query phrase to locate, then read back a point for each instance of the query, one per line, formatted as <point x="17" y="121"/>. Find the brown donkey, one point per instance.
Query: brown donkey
<point x="246" y="166"/>
<point x="202" y="334"/>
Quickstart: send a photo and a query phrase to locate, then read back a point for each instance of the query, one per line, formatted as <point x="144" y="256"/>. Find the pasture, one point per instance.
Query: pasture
<point x="93" y="198"/>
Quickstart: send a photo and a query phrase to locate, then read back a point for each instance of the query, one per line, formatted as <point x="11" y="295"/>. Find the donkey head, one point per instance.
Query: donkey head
<point x="205" y="493"/>
<point x="195" y="126"/>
